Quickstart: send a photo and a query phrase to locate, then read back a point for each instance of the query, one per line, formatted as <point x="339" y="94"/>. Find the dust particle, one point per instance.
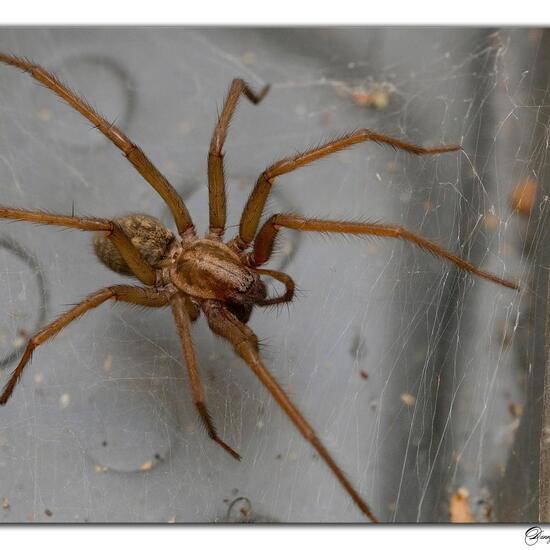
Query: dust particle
<point x="5" y="503"/>
<point x="64" y="400"/>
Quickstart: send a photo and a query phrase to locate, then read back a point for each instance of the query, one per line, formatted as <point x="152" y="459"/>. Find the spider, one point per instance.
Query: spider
<point x="193" y="275"/>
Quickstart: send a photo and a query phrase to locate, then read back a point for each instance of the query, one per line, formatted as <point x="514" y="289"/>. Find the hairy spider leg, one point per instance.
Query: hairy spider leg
<point x="290" y="287"/>
<point x="182" y="320"/>
<point x="123" y="293"/>
<point x="142" y="270"/>
<point x="263" y="245"/>
<point x="245" y="344"/>
<point x="254" y="207"/>
<point x="130" y="150"/>
<point x="216" y="177"/>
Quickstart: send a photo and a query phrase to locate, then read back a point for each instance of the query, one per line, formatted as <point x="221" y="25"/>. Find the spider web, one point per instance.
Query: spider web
<point x="423" y="382"/>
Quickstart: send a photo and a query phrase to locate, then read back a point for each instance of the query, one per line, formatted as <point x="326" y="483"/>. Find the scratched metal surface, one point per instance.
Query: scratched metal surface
<point x="397" y="361"/>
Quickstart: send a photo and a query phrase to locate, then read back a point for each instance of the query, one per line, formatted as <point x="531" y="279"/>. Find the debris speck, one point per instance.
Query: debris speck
<point x="18" y="342"/>
<point x="459" y="507"/>
<point x="5" y="504"/>
<point x="99" y="469"/>
<point x="249" y="58"/>
<point x="172" y="519"/>
<point x="48" y="512"/>
<point x="364" y="374"/>
<point x="516" y="409"/>
<point x="491" y="221"/>
<point x="376" y="95"/>
<point x="64" y="400"/>
<point x="146" y="466"/>
<point x="45" y="114"/>
<point x="408" y="399"/>
<point x="523" y="196"/>
<point x="392" y="167"/>
<point x="38" y="378"/>
<point x="108" y="363"/>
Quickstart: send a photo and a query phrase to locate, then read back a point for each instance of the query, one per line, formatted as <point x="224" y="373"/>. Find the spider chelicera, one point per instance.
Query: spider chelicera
<point x="191" y="274"/>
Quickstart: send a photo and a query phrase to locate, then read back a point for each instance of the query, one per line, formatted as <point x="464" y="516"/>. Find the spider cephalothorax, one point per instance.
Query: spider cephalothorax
<point x="210" y="270"/>
<point x="220" y="279"/>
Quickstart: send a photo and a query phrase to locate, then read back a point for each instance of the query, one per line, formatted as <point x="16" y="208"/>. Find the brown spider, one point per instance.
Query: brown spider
<point x="191" y="274"/>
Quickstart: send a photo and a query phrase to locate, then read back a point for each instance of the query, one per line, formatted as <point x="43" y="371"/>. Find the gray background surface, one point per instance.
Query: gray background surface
<point x="102" y="427"/>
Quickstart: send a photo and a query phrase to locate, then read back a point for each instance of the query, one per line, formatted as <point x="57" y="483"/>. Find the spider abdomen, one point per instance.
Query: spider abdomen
<point x="147" y="234"/>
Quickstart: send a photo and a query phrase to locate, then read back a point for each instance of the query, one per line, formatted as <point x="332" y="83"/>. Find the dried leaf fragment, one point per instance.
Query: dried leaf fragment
<point x="408" y="399"/>
<point x="459" y="507"/>
<point x="376" y="95"/>
<point x="146" y="466"/>
<point x="524" y="195"/>
<point x="516" y="409"/>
